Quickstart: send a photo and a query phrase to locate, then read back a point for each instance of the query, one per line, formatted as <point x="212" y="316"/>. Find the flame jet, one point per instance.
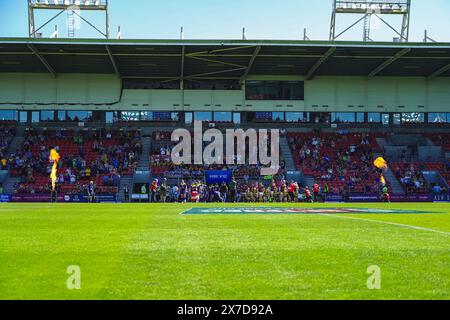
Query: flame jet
<point x="54" y="158"/>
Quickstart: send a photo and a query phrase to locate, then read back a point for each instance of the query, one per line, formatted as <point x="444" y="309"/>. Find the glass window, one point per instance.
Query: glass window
<point x="437" y="118"/>
<point x="223" y="116"/>
<point x="396" y="119"/>
<point x="237" y="117"/>
<point x="161" y="116"/>
<point x="374" y="117"/>
<point x="275" y="90"/>
<point x="23" y="116"/>
<point x="265" y="116"/>
<point x="278" y="116"/>
<point x="79" y="115"/>
<point x="188" y="117"/>
<point x="203" y="116"/>
<point x="295" y="116"/>
<point x="448" y="117"/>
<point x="127" y="116"/>
<point x="385" y="119"/>
<point x="145" y="116"/>
<point x="343" y="117"/>
<point x="8" y="115"/>
<point x="62" y="115"/>
<point x="413" y="117"/>
<point x="110" y="117"/>
<point x="35" y="117"/>
<point x="175" y="116"/>
<point x="47" y="115"/>
<point x="360" y="117"/>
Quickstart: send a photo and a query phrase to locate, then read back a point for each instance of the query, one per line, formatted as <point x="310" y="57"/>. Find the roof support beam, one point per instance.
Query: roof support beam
<point x="42" y="59"/>
<point x="219" y="50"/>
<point x="218" y="62"/>
<point x="438" y="72"/>
<point x="214" y="72"/>
<point x="388" y="62"/>
<point x="310" y="74"/>
<point x="252" y="61"/>
<point x="113" y="61"/>
<point x="183" y="56"/>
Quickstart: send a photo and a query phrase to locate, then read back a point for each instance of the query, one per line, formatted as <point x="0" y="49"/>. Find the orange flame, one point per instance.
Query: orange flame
<point x="54" y="157"/>
<point x="383" y="180"/>
<point x="380" y="163"/>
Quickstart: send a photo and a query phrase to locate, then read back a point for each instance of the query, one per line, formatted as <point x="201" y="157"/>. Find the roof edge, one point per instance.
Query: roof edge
<point x="218" y="42"/>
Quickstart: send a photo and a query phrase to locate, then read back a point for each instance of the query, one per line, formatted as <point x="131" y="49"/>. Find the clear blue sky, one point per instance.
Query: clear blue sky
<point x="224" y="19"/>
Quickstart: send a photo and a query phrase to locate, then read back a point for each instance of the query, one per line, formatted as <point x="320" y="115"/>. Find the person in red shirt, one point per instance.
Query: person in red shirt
<point x="195" y="197"/>
<point x="316" y="191"/>
<point x="308" y="195"/>
<point x="291" y="191"/>
<point x="153" y="190"/>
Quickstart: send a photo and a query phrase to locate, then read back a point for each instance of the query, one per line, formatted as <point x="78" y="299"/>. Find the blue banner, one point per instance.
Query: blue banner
<point x="213" y="177"/>
<point x="84" y="198"/>
<point x="5" y="198"/>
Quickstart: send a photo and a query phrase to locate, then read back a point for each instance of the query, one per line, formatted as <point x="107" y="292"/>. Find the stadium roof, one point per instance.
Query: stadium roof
<point x="223" y="59"/>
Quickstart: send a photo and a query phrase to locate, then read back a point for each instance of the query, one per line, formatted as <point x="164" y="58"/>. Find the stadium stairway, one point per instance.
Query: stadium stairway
<point x="10" y="182"/>
<point x="287" y="154"/>
<point x="125" y="181"/>
<point x="381" y="142"/>
<point x="144" y="161"/>
<point x="15" y="143"/>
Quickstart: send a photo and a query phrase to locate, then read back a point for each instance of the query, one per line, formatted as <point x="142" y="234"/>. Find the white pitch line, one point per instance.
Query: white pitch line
<point x="389" y="223"/>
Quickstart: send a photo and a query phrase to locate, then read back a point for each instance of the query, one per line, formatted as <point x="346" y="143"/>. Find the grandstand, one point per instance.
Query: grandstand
<point x="110" y="106"/>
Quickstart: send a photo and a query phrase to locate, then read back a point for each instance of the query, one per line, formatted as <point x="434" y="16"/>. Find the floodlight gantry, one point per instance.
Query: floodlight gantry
<point x="368" y="9"/>
<point x="72" y="7"/>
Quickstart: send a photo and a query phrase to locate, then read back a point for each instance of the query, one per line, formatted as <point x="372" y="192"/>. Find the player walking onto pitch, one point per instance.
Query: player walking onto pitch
<point x="91" y="192"/>
<point x="385" y="196"/>
<point x="308" y="195"/>
<point x="316" y="191"/>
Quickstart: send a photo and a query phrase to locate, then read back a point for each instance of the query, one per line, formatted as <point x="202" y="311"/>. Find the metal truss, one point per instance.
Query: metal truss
<point x="72" y="7"/>
<point x="369" y="9"/>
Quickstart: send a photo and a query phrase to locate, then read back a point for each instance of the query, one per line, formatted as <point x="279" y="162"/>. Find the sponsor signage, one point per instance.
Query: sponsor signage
<point x="213" y="177"/>
<point x="81" y="198"/>
<point x="376" y="198"/>
<point x="5" y="198"/>
<point x="34" y="198"/>
<point x="61" y="198"/>
<point x="441" y="198"/>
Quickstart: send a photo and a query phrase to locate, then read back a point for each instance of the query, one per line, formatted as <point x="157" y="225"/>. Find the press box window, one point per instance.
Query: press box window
<point x="275" y="90"/>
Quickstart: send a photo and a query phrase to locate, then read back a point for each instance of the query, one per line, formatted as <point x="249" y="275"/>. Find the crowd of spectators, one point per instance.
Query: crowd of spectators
<point x="6" y="136"/>
<point x="411" y="177"/>
<point x="162" y="164"/>
<point x="343" y="161"/>
<point x="100" y="156"/>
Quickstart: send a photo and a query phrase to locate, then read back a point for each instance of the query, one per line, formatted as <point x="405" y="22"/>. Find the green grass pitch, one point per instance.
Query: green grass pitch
<point x="144" y="251"/>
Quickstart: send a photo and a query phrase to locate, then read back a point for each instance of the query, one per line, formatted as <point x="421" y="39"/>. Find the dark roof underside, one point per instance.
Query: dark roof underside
<point x="211" y="59"/>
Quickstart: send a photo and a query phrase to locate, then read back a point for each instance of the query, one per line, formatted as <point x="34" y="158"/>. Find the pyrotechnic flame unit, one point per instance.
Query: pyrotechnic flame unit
<point x="54" y="160"/>
<point x="381" y="164"/>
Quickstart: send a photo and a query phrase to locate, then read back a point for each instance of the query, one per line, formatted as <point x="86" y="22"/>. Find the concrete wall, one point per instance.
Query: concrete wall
<point x="323" y="94"/>
<point x="43" y="88"/>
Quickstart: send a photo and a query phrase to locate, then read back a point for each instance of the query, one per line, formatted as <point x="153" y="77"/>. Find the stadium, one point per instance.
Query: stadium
<point x="96" y="183"/>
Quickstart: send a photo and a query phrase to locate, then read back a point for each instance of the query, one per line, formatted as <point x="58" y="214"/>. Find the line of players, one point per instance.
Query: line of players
<point x="198" y="191"/>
